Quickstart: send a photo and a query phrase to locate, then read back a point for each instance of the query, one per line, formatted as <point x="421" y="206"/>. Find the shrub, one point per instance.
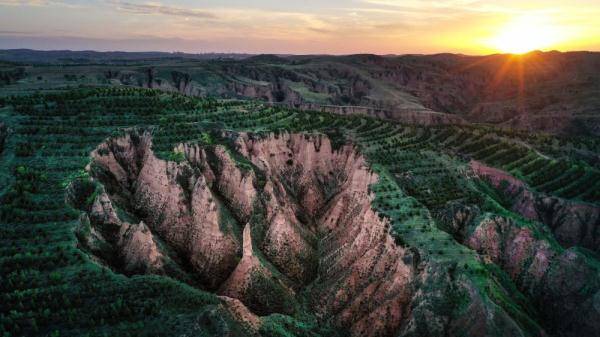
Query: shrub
<point x="177" y="157"/>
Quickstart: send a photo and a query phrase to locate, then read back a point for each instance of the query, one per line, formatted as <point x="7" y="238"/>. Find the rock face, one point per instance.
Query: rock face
<point x="258" y="225"/>
<point x="277" y="223"/>
<point x="572" y="223"/>
<point x="563" y="283"/>
<point x="131" y="246"/>
<point x="175" y="201"/>
<point x="332" y="189"/>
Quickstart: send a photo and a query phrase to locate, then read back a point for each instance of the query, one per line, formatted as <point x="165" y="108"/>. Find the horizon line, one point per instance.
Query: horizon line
<point x="290" y="54"/>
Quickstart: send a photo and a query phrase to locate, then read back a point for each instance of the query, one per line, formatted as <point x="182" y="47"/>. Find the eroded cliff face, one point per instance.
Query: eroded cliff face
<point x="273" y="224"/>
<point x="362" y="279"/>
<point x="175" y="201"/>
<point x="563" y="283"/>
<point x="572" y="223"/>
<point x="258" y="221"/>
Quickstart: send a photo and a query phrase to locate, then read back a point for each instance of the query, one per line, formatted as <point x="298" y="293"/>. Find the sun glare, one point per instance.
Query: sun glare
<point x="526" y="33"/>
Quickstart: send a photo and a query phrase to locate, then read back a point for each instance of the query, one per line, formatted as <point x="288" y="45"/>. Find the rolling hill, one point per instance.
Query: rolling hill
<point x="539" y="91"/>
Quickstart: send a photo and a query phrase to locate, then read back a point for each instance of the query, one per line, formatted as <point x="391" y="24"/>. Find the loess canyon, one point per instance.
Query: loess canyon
<point x="143" y="212"/>
<point x="283" y="221"/>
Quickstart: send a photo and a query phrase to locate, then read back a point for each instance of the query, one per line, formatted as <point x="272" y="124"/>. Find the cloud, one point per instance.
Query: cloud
<point x="424" y="4"/>
<point x="25" y="2"/>
<point x="43" y="3"/>
<point x="383" y="26"/>
<point x="15" y="32"/>
<point x="149" y="9"/>
<point x="392" y="26"/>
<point x="320" y="30"/>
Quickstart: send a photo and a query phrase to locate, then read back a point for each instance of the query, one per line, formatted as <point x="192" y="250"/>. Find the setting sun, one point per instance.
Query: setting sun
<point x="526" y="33"/>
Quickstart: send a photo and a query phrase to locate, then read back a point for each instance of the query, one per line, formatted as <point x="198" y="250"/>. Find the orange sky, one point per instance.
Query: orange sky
<point x="302" y="27"/>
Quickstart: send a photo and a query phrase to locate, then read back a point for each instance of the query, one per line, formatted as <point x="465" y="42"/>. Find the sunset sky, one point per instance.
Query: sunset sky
<point x="302" y="27"/>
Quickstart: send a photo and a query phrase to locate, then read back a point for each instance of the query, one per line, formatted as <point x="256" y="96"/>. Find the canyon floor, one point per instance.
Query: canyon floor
<point x="139" y="212"/>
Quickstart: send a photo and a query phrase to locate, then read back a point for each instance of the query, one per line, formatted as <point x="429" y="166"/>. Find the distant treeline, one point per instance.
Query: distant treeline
<point x="91" y="57"/>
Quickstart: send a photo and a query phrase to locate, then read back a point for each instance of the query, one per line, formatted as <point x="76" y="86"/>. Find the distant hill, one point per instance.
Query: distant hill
<point x="549" y="91"/>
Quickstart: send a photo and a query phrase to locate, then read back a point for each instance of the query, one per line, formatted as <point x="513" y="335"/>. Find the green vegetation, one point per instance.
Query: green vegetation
<point x="176" y="156"/>
<point x="49" y="287"/>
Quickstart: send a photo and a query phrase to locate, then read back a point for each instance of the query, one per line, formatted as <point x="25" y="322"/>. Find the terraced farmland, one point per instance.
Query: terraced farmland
<point x="439" y="192"/>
